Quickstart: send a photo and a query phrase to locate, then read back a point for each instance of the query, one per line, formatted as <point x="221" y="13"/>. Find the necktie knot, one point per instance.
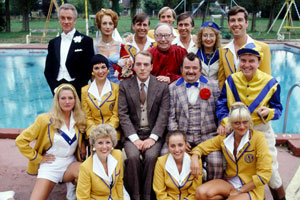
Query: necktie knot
<point x="188" y="85"/>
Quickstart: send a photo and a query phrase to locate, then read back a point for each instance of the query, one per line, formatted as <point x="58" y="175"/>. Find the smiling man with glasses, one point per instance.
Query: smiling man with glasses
<point x="167" y="58"/>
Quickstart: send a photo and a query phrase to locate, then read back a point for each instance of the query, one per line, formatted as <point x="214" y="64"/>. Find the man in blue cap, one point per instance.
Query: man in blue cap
<point x="261" y="93"/>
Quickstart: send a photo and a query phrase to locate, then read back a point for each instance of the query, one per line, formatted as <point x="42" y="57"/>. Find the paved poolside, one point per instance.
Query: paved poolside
<point x="13" y="174"/>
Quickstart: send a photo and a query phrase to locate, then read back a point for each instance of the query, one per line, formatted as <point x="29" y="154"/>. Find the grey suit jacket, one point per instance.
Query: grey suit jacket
<point x="158" y="99"/>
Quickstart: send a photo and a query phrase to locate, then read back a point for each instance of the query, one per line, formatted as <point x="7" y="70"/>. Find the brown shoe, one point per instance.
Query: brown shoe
<point x="278" y="194"/>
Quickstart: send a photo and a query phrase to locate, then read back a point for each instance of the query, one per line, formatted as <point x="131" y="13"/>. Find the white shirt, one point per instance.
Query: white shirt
<point x="171" y="167"/>
<point x="99" y="169"/>
<point x="66" y="40"/>
<point x="230" y="46"/>
<point x="149" y="41"/>
<point x="135" y="136"/>
<point x="193" y="93"/>
<point x="178" y="42"/>
<point x="93" y="90"/>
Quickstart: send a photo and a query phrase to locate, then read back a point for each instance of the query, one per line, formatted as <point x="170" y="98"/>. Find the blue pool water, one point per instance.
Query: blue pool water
<point x="25" y="92"/>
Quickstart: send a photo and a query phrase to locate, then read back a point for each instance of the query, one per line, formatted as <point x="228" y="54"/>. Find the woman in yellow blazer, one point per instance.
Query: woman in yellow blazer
<point x="58" y="135"/>
<point x="249" y="163"/>
<point x="100" y="98"/>
<point x="101" y="175"/>
<point x="172" y="178"/>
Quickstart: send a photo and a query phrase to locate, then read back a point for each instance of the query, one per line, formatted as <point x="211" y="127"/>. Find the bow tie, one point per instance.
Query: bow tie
<point x="66" y="37"/>
<point x="188" y="85"/>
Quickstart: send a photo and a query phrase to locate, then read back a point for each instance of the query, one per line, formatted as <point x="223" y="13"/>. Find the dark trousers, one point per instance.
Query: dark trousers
<point x="140" y="168"/>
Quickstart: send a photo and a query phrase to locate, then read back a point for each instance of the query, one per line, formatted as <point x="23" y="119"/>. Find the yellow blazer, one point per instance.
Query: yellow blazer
<point x="41" y="131"/>
<point x="91" y="186"/>
<point x="106" y="113"/>
<point x="226" y="66"/>
<point x="253" y="163"/>
<point x="167" y="188"/>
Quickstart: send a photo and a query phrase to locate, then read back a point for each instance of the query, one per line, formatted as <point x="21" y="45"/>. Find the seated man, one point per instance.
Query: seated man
<point x="192" y="110"/>
<point x="185" y="26"/>
<point x="261" y="94"/>
<point x="167" y="58"/>
<point x="140" y="40"/>
<point x="166" y="15"/>
<point x="143" y="113"/>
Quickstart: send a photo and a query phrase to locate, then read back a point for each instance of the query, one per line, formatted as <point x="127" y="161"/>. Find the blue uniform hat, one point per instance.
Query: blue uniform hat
<point x="250" y="48"/>
<point x="211" y="25"/>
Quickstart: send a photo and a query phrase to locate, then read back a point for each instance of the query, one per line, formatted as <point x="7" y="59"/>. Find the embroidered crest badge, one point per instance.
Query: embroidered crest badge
<point x="249" y="158"/>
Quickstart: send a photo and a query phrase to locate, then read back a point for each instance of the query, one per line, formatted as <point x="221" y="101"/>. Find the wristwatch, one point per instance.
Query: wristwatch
<point x="239" y="189"/>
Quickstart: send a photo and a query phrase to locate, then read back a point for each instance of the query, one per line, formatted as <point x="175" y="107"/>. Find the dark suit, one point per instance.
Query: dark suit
<point x="139" y="173"/>
<point x="77" y="63"/>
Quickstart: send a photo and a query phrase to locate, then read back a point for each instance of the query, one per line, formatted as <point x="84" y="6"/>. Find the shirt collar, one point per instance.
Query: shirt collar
<point x="229" y="142"/>
<point x="70" y="34"/>
<point x="99" y="169"/>
<point x="93" y="90"/>
<point x="178" y="42"/>
<point x="146" y="82"/>
<point x="171" y="167"/>
<point x="147" y="44"/>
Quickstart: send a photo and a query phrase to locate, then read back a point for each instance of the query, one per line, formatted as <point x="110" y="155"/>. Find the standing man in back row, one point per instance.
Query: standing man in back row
<point x="229" y="61"/>
<point x="69" y="55"/>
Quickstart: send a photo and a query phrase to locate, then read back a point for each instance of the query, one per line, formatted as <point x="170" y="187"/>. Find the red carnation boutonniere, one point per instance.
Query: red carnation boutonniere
<point x="205" y="93"/>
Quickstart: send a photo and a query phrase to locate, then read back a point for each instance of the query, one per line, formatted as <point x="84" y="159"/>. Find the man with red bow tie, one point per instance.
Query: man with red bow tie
<point x="192" y="110"/>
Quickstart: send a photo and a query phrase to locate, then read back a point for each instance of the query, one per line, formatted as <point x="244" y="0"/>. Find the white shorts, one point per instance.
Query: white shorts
<point x="55" y="171"/>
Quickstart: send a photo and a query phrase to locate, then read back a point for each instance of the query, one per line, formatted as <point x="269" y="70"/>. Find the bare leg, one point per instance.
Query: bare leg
<point x="72" y="172"/>
<point x="42" y="189"/>
<point x="243" y="196"/>
<point x="214" y="190"/>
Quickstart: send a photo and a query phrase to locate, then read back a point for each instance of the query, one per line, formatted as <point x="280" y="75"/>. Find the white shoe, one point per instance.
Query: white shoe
<point x="71" y="191"/>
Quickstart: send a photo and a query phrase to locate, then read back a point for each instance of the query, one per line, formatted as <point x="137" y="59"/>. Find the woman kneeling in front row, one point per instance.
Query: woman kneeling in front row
<point x="249" y="163"/>
<point x="172" y="176"/>
<point x="101" y="175"/>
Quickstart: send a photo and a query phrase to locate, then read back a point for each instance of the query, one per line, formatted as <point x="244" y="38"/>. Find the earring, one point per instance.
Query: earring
<point x="107" y="71"/>
<point x="94" y="149"/>
<point x="93" y="73"/>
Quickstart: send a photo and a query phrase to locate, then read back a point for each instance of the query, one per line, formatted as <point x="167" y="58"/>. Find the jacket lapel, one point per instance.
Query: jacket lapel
<point x="230" y="61"/>
<point x="135" y="96"/>
<point x="203" y="103"/>
<point x="182" y="96"/>
<point x="72" y="46"/>
<point x="57" y="48"/>
<point x="151" y="93"/>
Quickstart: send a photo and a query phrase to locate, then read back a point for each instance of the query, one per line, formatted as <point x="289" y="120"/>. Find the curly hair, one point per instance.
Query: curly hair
<point x="103" y="131"/>
<point x="109" y="12"/>
<point x="56" y="114"/>
<point x="199" y="37"/>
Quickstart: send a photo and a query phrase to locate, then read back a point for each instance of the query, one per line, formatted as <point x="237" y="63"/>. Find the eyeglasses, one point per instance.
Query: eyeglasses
<point x="161" y="36"/>
<point x="239" y="123"/>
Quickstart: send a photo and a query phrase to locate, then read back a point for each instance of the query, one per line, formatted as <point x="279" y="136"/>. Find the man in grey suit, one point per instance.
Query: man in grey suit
<point x="193" y="110"/>
<point x="143" y="114"/>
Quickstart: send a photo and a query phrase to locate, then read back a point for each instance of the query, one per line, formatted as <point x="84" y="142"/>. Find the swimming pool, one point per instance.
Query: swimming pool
<point x="25" y="92"/>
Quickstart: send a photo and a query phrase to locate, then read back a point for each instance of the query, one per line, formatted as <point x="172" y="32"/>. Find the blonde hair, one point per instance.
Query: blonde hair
<point x="164" y="9"/>
<point x="103" y="131"/>
<point x="199" y="37"/>
<point x="109" y="12"/>
<point x="56" y="114"/>
<point x="239" y="111"/>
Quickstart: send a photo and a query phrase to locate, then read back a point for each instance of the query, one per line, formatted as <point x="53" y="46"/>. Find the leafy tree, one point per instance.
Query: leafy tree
<point x="7" y="16"/>
<point x="115" y="6"/>
<point x="96" y="5"/>
<point x="25" y="7"/>
<point x="2" y="13"/>
<point x="133" y="7"/>
<point x="152" y="5"/>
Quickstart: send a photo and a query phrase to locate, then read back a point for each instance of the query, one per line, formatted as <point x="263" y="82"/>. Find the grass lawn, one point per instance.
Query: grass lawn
<point x="17" y="36"/>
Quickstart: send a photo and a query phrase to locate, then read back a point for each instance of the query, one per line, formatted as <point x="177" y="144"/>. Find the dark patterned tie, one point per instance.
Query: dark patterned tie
<point x="142" y="93"/>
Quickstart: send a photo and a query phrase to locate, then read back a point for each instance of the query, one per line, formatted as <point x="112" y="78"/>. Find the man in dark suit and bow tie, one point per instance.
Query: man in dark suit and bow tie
<point x="193" y="110"/>
<point x="69" y="55"/>
<point x="143" y="114"/>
